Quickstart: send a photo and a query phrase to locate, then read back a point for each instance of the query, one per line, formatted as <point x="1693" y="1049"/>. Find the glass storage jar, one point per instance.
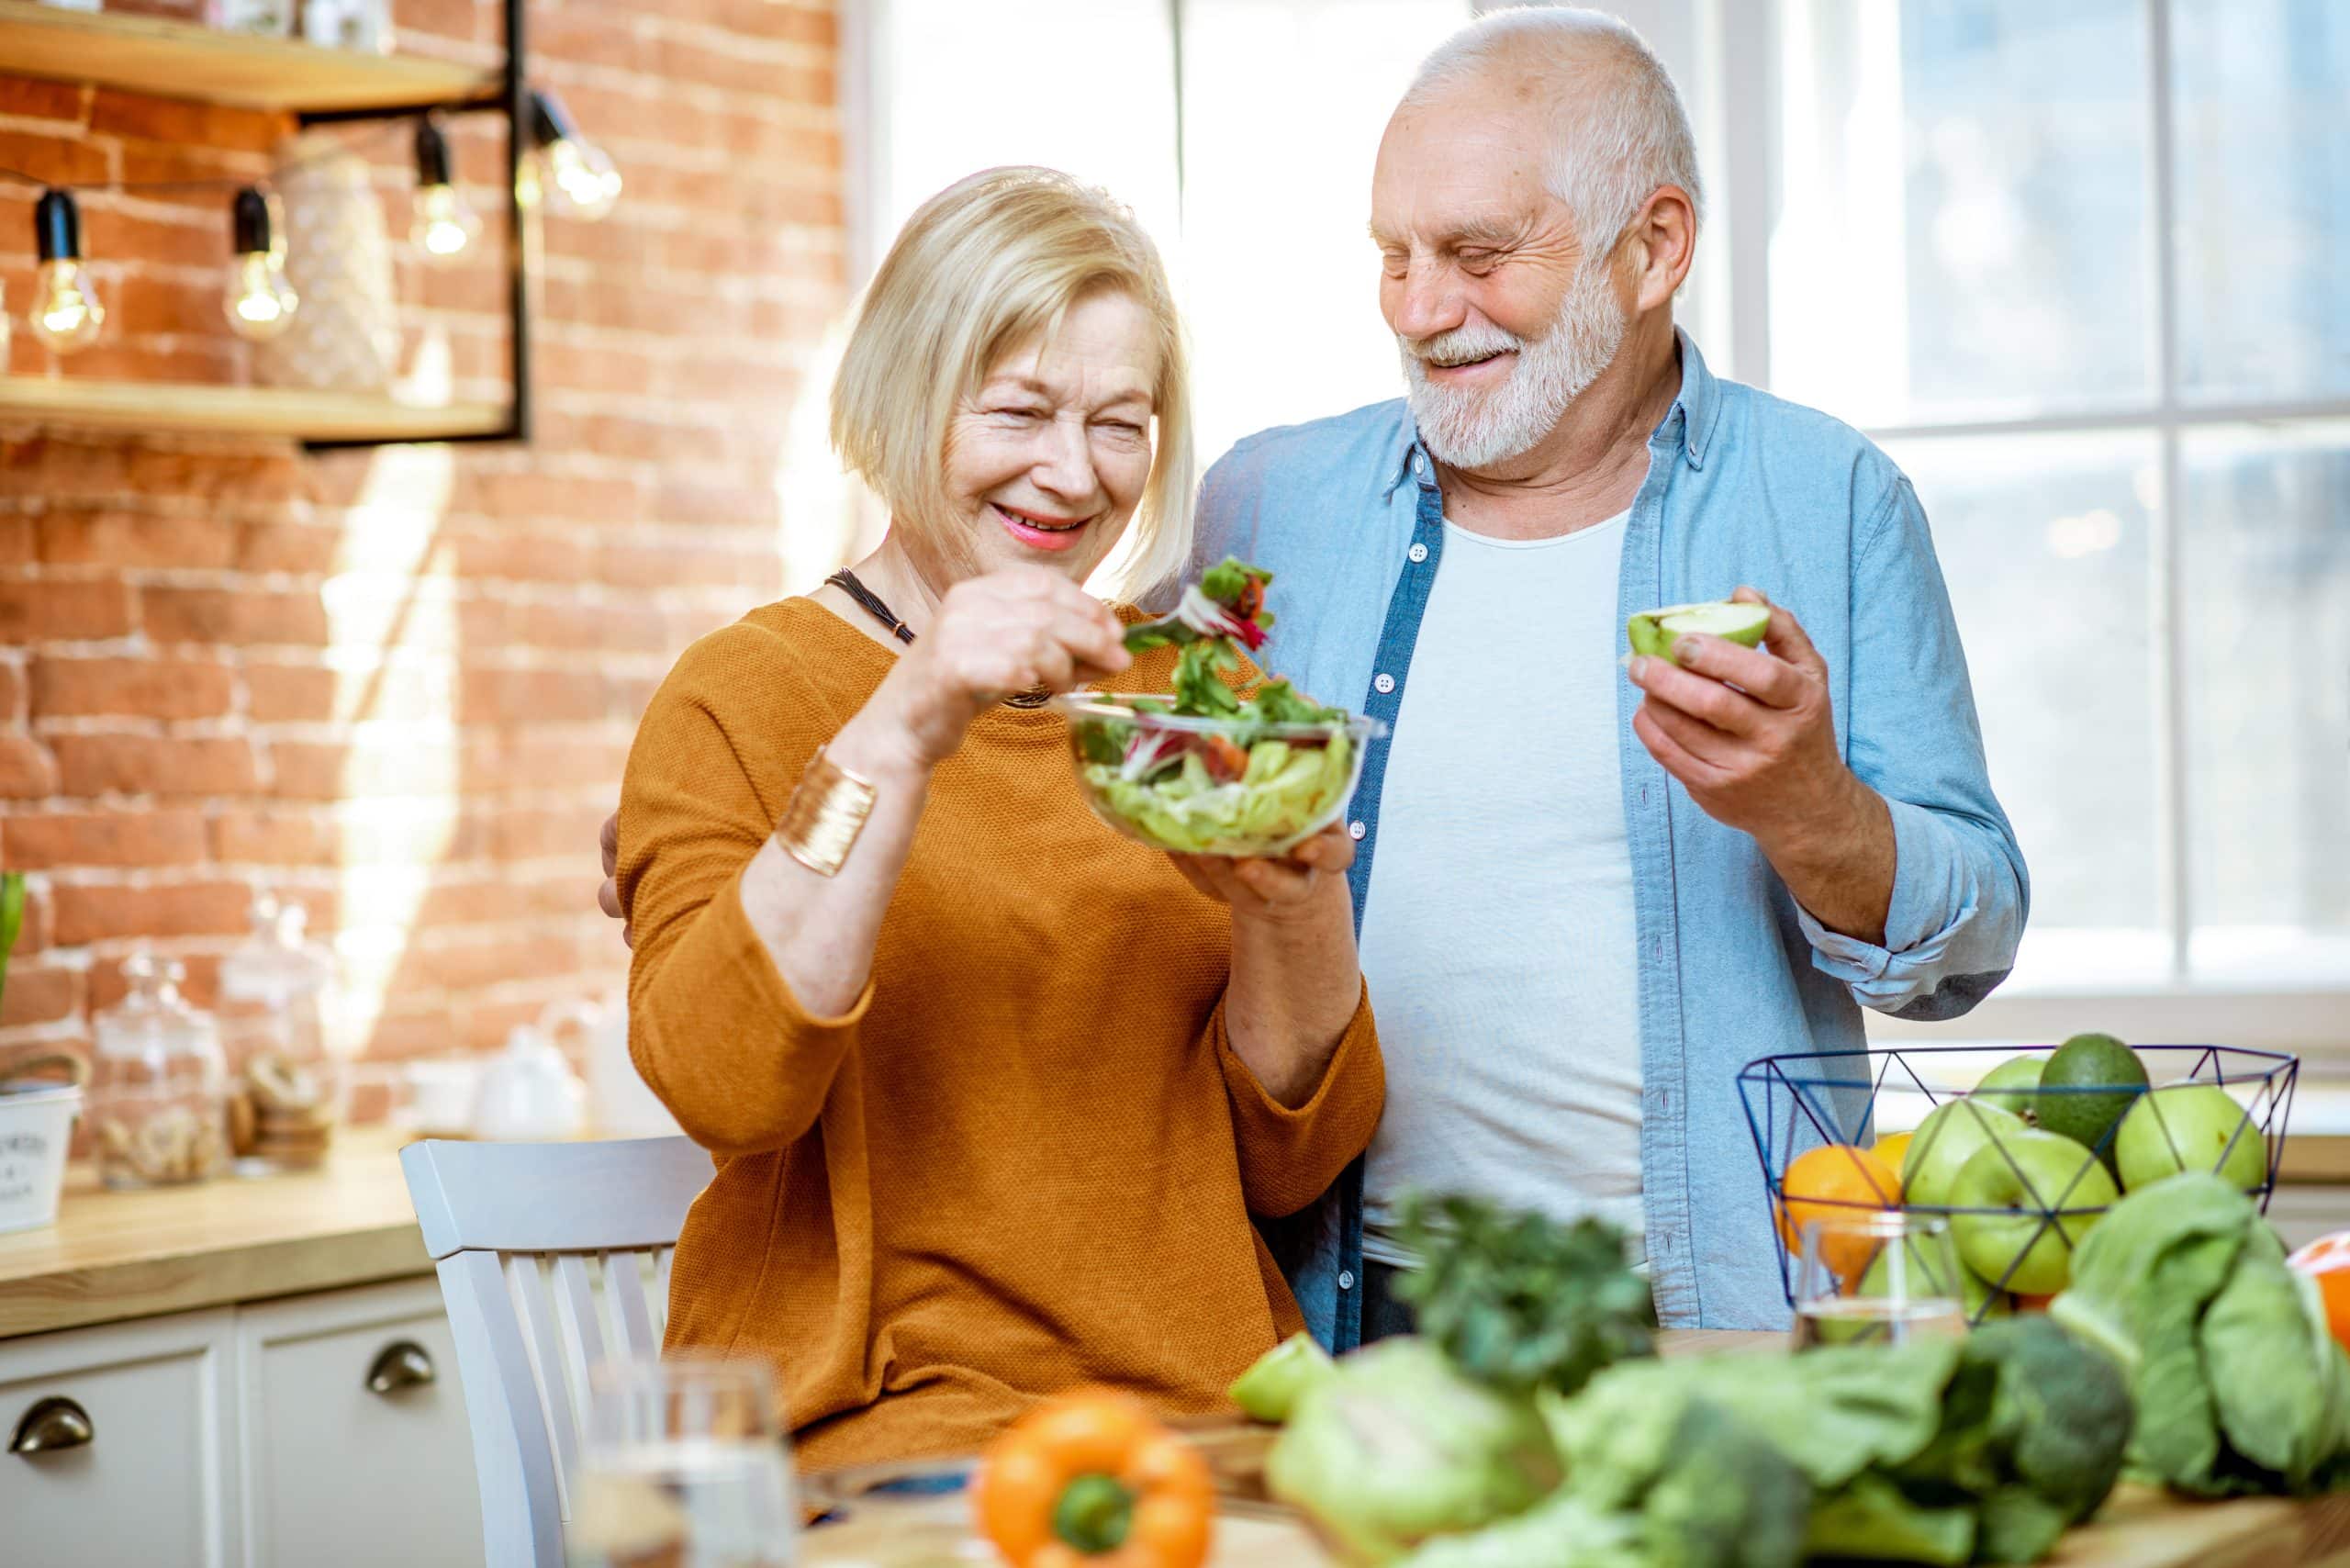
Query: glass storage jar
<point x="288" y="1089"/>
<point x="158" y="1101"/>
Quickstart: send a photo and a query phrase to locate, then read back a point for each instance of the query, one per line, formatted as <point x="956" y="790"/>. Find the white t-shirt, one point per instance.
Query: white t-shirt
<point x="1498" y="934"/>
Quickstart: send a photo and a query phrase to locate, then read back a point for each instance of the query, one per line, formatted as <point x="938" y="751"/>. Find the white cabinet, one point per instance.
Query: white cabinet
<point x="136" y="1458"/>
<point x="246" y="1436"/>
<point x="353" y="1438"/>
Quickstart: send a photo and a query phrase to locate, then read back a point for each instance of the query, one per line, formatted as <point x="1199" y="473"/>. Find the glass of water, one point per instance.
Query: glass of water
<point x="683" y="1464"/>
<point x="1877" y="1277"/>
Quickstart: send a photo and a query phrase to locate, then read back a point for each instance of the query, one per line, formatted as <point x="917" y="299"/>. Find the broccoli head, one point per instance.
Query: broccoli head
<point x="1728" y="1498"/>
<point x="2062" y="1411"/>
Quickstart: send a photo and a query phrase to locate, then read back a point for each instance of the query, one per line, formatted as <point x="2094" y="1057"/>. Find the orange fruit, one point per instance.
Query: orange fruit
<point x="2326" y="1262"/>
<point x="1893" y="1149"/>
<point x="1837" y="1181"/>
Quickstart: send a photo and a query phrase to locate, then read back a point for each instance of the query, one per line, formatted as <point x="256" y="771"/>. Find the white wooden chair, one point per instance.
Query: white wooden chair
<point x="520" y="1233"/>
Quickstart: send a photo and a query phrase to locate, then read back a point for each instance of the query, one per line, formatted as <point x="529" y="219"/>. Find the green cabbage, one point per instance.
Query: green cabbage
<point x="2239" y="1387"/>
<point x="1397" y="1447"/>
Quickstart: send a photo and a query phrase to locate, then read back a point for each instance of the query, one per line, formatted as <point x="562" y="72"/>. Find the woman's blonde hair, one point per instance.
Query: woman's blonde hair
<point x="989" y="263"/>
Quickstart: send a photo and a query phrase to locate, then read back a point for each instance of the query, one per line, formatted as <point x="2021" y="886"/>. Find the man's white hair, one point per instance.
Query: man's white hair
<point x="1617" y="126"/>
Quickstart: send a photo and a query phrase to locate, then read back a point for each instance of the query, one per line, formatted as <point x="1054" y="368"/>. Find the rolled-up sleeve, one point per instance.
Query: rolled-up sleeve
<point x="714" y="1027"/>
<point x="1291" y="1157"/>
<point x="1960" y="890"/>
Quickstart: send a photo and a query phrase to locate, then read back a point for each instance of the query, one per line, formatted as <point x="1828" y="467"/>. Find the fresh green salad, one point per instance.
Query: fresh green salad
<point x="1210" y="771"/>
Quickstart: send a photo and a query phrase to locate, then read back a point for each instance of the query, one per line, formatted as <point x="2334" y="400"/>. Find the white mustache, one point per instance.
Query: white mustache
<point x="1465" y="343"/>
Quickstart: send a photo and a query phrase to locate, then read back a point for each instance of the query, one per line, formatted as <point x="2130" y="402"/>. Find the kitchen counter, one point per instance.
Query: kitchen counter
<point x="139" y="1254"/>
<point x="113" y="1256"/>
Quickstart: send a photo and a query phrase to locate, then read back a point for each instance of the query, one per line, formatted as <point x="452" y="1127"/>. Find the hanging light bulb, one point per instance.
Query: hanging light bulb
<point x="65" y="313"/>
<point x="444" y="223"/>
<point x="259" y="301"/>
<point x="584" y="184"/>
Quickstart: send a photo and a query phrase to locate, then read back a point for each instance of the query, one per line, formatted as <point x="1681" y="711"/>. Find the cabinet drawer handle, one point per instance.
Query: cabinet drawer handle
<point x="403" y="1364"/>
<point x="50" y="1426"/>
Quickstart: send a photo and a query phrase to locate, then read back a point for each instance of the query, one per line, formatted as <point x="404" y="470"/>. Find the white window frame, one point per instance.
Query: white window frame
<point x="1738" y="106"/>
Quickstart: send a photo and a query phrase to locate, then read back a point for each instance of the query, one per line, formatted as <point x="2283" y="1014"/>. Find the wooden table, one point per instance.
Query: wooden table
<point x="2139" y="1527"/>
<point x="139" y="1254"/>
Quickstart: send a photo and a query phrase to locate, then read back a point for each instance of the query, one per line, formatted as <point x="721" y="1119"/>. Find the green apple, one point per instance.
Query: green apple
<point x="2191" y="1126"/>
<point x="2021" y="1183"/>
<point x="1655" y="633"/>
<point x="1273" y="1384"/>
<point x="2013" y="1083"/>
<point x="1943" y="1142"/>
<point x="2087" y="1087"/>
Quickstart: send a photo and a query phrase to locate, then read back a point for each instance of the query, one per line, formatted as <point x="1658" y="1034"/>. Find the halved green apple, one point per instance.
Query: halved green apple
<point x="1655" y="633"/>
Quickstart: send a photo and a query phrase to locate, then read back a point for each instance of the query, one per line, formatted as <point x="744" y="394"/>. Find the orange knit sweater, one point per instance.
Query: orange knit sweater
<point x="1026" y="1157"/>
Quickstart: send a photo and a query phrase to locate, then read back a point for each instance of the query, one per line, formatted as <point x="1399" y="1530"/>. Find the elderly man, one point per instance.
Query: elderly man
<point x="1588" y="892"/>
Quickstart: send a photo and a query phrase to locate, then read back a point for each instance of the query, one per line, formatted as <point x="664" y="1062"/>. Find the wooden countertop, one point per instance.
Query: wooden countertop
<point x="119" y="1255"/>
<point x="2318" y="1160"/>
<point x="2317" y="1136"/>
<point x="2139" y="1527"/>
<point x="123" y="1255"/>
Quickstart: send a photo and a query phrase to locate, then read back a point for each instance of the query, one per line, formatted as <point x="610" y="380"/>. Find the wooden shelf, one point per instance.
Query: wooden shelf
<point x="176" y="60"/>
<point x="232" y="411"/>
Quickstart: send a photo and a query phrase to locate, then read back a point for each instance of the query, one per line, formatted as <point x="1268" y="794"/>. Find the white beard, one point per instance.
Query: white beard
<point x="1472" y="428"/>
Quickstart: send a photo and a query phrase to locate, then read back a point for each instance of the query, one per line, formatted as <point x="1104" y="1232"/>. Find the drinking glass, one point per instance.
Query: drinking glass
<point x="1877" y="1277"/>
<point x="683" y="1464"/>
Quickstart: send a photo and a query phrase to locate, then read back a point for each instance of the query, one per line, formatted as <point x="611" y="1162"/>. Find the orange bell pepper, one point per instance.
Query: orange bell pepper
<point x="1090" y="1481"/>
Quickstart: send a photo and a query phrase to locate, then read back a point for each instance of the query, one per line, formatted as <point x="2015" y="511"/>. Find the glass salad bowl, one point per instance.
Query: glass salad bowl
<point x="1239" y="785"/>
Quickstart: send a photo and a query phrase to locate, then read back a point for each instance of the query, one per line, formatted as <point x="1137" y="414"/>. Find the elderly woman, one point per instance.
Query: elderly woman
<point x="992" y="1092"/>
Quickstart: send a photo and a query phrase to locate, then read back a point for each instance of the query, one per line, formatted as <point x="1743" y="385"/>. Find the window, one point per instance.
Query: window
<point x="1251" y="171"/>
<point x="2079" y="268"/>
<point x="1242" y="132"/>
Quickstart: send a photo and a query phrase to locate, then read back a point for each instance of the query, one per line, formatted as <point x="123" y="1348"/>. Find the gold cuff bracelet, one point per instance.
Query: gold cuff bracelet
<point x="827" y="811"/>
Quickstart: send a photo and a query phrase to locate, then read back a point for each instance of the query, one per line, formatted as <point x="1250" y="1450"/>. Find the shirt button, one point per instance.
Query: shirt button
<point x="1355" y="830"/>
<point x="1383" y="683"/>
<point x="1420" y="466"/>
<point x="1419" y="552"/>
<point x="1345" y="1279"/>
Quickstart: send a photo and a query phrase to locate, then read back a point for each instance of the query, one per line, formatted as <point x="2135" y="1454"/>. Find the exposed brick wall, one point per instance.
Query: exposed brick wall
<point x="400" y="685"/>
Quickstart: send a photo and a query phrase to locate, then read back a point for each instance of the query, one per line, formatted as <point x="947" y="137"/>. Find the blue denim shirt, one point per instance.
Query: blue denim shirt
<point x="1741" y="488"/>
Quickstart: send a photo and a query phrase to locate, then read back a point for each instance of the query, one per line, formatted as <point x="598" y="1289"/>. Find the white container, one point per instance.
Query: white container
<point x="35" y="1126"/>
<point x="529" y="1093"/>
<point x="436" y="1097"/>
<point x="619" y="1106"/>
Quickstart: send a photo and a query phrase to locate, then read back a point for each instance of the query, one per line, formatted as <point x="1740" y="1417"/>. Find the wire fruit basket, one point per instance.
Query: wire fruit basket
<point x="1798" y="1105"/>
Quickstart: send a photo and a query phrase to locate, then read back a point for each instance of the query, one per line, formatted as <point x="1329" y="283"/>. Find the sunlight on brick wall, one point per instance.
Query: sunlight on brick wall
<point x="399" y="685"/>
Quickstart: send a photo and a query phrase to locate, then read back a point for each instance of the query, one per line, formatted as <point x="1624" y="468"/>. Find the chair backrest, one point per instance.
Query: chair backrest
<point x="553" y="1256"/>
